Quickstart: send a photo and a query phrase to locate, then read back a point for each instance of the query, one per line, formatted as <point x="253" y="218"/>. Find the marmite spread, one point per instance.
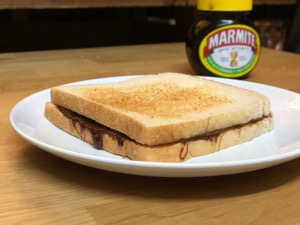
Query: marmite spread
<point x="222" y="42"/>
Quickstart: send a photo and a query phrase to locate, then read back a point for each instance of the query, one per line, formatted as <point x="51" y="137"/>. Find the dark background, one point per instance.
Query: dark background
<point x="45" y="29"/>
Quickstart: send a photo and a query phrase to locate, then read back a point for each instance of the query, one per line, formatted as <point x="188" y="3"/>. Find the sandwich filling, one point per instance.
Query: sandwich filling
<point x="98" y="130"/>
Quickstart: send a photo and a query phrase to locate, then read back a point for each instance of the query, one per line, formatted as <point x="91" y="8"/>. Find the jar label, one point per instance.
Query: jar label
<point x="230" y="51"/>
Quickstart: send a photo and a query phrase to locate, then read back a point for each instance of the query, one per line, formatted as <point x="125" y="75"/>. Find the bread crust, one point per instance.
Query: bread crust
<point x="173" y="152"/>
<point x="155" y="124"/>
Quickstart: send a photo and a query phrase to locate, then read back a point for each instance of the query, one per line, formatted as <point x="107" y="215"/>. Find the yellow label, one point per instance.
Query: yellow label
<point x="230" y="51"/>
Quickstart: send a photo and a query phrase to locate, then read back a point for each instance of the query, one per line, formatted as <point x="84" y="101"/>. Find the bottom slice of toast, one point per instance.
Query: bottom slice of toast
<point x="117" y="143"/>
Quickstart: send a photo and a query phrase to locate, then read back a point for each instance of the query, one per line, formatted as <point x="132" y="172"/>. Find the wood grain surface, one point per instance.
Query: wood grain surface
<point x="39" y="188"/>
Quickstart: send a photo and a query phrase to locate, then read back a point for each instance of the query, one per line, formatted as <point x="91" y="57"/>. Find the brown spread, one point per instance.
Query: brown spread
<point x="98" y="131"/>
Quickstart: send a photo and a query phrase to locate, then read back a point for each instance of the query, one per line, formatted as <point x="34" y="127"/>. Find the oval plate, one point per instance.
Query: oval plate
<point x="273" y="148"/>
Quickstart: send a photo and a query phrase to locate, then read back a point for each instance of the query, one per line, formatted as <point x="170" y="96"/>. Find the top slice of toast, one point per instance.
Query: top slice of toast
<point x="163" y="108"/>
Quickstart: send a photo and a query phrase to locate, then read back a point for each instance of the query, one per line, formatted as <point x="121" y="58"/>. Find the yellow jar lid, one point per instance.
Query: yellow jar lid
<point x="224" y="5"/>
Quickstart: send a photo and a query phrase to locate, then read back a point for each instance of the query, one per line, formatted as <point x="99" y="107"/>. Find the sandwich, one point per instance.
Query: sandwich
<point x="168" y="117"/>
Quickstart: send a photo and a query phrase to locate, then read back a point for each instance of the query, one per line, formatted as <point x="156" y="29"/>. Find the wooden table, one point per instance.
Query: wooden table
<point x="39" y="188"/>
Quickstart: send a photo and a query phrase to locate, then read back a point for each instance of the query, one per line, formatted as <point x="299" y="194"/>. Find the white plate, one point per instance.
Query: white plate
<point x="278" y="146"/>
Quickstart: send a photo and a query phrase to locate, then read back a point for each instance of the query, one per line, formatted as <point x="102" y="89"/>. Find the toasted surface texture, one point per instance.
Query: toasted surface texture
<point x="158" y="109"/>
<point x="119" y="144"/>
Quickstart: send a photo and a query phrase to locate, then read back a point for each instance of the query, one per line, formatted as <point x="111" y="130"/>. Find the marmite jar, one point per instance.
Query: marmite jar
<point x="222" y="42"/>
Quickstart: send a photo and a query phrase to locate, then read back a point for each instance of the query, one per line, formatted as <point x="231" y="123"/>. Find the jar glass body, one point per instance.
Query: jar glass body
<point x="207" y="23"/>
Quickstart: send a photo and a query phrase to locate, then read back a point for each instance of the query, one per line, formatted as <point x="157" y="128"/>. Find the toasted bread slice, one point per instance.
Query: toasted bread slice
<point x="117" y="143"/>
<point x="164" y="108"/>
